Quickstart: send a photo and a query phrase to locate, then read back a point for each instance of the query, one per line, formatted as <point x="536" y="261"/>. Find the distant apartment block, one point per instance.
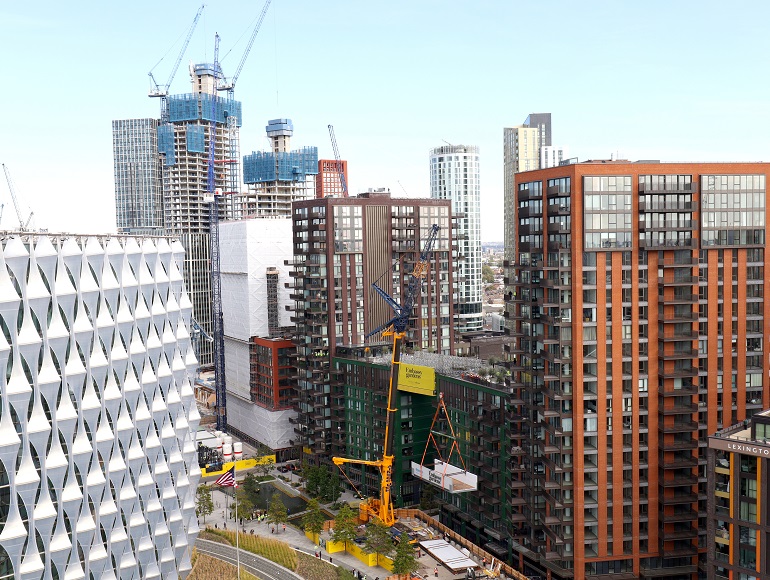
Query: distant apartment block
<point x="454" y="176"/>
<point x="552" y="156"/>
<point x="98" y="464"/>
<point x="328" y="182"/>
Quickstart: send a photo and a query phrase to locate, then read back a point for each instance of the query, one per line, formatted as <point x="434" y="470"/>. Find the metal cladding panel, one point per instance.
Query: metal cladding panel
<point x="272" y="428"/>
<point x="112" y="303"/>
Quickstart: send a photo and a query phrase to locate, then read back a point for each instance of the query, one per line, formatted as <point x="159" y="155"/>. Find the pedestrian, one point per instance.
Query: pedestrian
<point x="216" y="526"/>
<point x="252" y="531"/>
<point x="284" y="528"/>
<point x="435" y="572"/>
<point x="272" y="529"/>
<point x="224" y="525"/>
<point x="330" y="559"/>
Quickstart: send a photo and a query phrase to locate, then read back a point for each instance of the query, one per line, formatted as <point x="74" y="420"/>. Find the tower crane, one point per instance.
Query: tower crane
<point x="382" y="508"/>
<point x="338" y="162"/>
<point x="161" y="91"/>
<point x="23" y="226"/>
<point x="229" y="86"/>
<point x="212" y="197"/>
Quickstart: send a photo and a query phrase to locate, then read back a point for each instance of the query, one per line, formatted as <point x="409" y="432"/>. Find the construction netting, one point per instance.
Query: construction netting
<point x="266" y="166"/>
<point x="192" y="107"/>
<point x="196" y="138"/>
<point x="166" y="143"/>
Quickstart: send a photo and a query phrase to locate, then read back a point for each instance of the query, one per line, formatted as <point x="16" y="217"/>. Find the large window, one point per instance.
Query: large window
<point x="607" y="212"/>
<point x="733" y="210"/>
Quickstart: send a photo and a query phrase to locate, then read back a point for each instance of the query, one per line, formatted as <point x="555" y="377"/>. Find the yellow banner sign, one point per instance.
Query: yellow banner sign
<point x="417" y="379"/>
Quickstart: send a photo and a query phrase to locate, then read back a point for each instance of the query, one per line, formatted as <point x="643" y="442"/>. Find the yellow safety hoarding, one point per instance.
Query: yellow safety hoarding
<point x="417" y="379"/>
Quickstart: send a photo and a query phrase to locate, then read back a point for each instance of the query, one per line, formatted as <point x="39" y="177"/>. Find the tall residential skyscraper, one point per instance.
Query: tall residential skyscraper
<point x="180" y="149"/>
<point x="454" y="176"/>
<point x="639" y="327"/>
<point x="341" y="246"/>
<point x="279" y="177"/>
<point x="98" y="464"/>
<point x="138" y="184"/>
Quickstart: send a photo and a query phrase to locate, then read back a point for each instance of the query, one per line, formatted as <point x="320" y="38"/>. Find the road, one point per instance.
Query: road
<point x="251" y="563"/>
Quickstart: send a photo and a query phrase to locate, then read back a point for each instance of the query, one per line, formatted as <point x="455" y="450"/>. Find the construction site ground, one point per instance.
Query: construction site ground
<point x="297" y="539"/>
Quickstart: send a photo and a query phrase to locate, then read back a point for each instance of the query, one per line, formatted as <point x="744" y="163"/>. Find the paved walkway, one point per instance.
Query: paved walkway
<point x="297" y="539"/>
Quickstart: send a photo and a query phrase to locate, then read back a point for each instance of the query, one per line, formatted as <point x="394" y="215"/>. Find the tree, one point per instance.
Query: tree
<point x="378" y="540"/>
<point x="427" y="497"/>
<point x="245" y="505"/>
<point x="313" y="520"/>
<point x="204" y="505"/>
<point x="265" y="467"/>
<point x="345" y="526"/>
<point x="276" y="511"/>
<point x="330" y="487"/>
<point x="487" y="274"/>
<point x="313" y="476"/>
<point x="404" y="561"/>
<point x="250" y="486"/>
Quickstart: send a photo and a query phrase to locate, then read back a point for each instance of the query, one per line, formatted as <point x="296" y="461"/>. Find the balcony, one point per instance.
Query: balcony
<point x="661" y="206"/>
<point x="686" y="354"/>
<point x="667" y="225"/>
<point x="680" y="409"/>
<point x="680" y="462"/>
<point x="679" y="498"/>
<point x="671" y="244"/>
<point x="692" y="187"/>
<point x="558" y="209"/>
<point x="678" y="480"/>
<point x="681" y="515"/>
<point x="679" y="532"/>
<point x="679" y="427"/>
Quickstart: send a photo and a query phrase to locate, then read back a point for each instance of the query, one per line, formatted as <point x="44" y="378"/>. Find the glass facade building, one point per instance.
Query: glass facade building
<point x="138" y="183"/>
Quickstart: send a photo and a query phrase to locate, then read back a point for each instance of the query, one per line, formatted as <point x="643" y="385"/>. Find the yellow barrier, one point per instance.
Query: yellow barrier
<point x="240" y="465"/>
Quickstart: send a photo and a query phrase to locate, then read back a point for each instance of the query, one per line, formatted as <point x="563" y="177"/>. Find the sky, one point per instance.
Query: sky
<point x="675" y="81"/>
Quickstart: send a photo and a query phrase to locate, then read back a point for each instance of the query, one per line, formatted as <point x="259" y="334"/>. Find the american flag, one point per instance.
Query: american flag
<point x="227" y="479"/>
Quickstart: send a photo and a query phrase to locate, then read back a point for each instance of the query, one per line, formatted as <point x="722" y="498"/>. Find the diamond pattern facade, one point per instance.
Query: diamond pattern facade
<point x="98" y="465"/>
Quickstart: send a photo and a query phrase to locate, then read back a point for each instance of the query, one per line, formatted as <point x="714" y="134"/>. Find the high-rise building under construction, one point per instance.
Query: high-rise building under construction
<point x="175" y="161"/>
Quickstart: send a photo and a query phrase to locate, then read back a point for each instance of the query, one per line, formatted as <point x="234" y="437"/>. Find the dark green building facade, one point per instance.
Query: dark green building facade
<point x="477" y="410"/>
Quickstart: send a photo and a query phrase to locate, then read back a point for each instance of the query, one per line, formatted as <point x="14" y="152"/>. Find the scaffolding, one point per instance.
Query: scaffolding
<point x="267" y="166"/>
<point x="166" y="143"/>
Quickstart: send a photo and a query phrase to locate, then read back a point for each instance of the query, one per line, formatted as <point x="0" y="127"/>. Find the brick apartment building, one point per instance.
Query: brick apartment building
<point x="635" y="302"/>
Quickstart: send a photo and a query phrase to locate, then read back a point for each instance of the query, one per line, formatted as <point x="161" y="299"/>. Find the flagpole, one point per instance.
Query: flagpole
<point x="237" y="529"/>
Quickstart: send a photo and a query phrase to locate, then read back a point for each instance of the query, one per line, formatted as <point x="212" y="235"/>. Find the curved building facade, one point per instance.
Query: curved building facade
<point x="98" y="466"/>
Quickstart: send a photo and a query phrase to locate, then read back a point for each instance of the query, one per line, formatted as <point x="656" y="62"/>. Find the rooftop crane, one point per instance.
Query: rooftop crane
<point x="161" y="91"/>
<point x="212" y="197"/>
<point x="23" y="226"/>
<point x="382" y="508"/>
<point x="343" y="183"/>
<point x="230" y="86"/>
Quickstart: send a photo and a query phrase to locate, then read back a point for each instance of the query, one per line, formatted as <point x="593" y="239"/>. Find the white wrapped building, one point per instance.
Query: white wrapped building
<point x="98" y="465"/>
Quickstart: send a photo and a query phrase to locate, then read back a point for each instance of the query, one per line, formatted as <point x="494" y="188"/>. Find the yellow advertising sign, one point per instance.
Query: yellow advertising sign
<point x="417" y="379"/>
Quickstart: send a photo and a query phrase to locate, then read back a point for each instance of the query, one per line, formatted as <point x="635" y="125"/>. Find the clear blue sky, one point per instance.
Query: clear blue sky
<point x="673" y="80"/>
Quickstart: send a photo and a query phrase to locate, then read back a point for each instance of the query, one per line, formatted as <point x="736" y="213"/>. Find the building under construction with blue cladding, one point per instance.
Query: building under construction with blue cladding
<point x="279" y="177"/>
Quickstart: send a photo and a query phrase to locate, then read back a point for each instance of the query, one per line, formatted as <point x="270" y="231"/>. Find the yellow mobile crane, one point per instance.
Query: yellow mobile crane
<point x="382" y="508"/>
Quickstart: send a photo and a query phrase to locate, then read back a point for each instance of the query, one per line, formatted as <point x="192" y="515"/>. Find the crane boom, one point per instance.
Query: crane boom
<point x="382" y="508"/>
<point x="162" y="90"/>
<point x="231" y="85"/>
<point x="338" y="162"/>
<point x="22" y="224"/>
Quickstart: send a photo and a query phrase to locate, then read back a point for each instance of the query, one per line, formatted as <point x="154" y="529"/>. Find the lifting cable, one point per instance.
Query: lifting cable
<point x="432" y="434"/>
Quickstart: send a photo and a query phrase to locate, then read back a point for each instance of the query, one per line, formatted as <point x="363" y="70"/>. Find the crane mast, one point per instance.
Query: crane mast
<point x="217" y="322"/>
<point x="382" y="508"/>
<point x="338" y="163"/>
